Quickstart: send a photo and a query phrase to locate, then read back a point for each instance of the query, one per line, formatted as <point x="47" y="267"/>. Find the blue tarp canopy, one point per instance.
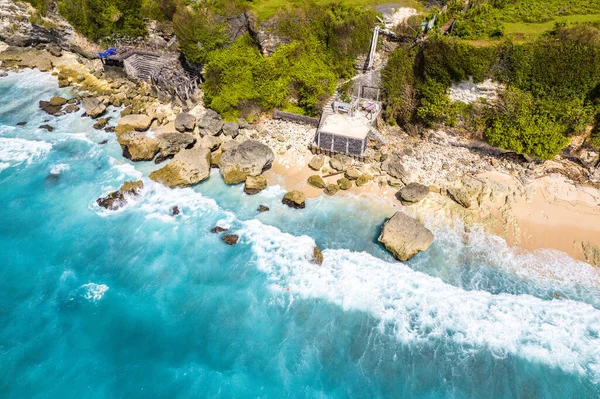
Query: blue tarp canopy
<point x="110" y="51"/>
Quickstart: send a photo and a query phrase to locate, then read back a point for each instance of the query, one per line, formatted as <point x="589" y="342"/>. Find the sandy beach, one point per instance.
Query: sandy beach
<point x="554" y="213"/>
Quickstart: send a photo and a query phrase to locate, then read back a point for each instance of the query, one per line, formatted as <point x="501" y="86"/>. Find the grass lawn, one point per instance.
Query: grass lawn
<point x="527" y="31"/>
<point x="267" y="8"/>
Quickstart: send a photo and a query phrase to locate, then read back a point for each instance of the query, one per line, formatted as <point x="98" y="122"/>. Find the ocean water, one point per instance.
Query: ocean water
<point x="138" y="303"/>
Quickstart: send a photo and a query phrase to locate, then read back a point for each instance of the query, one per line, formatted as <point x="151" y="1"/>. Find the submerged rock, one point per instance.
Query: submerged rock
<point x="404" y="236"/>
<point x="47" y="107"/>
<point x="137" y="147"/>
<point x="218" y="229"/>
<point x="187" y="168"/>
<point x="185" y="122"/>
<point x="317" y="257"/>
<point x="250" y="158"/>
<point x="175" y="211"/>
<point x="117" y="199"/>
<point x="412" y="193"/>
<point x="230" y="239"/>
<point x="263" y="208"/>
<point x="255" y="184"/>
<point x="47" y="127"/>
<point x="295" y="199"/>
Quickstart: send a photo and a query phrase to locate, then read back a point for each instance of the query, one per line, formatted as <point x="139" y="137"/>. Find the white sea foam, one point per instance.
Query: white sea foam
<point x="554" y="268"/>
<point x="14" y="151"/>
<point x="423" y="309"/>
<point x="93" y="292"/>
<point x="57" y="169"/>
<point x="158" y="200"/>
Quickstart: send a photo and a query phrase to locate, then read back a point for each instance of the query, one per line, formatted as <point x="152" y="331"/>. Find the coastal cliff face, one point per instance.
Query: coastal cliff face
<point x="22" y="26"/>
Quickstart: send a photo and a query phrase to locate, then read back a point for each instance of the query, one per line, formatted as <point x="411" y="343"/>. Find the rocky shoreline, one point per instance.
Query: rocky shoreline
<point x="426" y="177"/>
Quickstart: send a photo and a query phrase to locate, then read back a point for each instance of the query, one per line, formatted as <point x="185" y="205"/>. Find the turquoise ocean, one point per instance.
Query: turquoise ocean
<point x="137" y="303"/>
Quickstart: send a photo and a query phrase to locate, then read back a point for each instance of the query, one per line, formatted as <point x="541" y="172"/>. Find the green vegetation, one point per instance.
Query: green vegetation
<point x="553" y="88"/>
<point x="265" y="9"/>
<point x="322" y="44"/>
<point x="494" y="18"/>
<point x="97" y="19"/>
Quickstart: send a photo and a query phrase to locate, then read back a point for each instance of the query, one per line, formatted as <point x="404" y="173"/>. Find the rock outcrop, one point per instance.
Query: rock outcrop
<point x="295" y="199"/>
<point x="170" y="144"/>
<point x="317" y="162"/>
<point x="231" y="129"/>
<point x="93" y="107"/>
<point x="255" y="184"/>
<point x="137" y="147"/>
<point x="188" y="167"/>
<point x="344" y="184"/>
<point x="317" y="257"/>
<point x="331" y="189"/>
<point x="210" y="123"/>
<point x="230" y="239"/>
<point x="185" y="122"/>
<point x="133" y="122"/>
<point x="412" y="193"/>
<point x="250" y="158"/>
<point x="395" y="169"/>
<point x="404" y="236"/>
<point x="316" y="181"/>
<point x="117" y="199"/>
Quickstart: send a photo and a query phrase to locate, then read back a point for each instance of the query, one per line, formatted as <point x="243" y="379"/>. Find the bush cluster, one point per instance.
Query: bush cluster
<point x="553" y="87"/>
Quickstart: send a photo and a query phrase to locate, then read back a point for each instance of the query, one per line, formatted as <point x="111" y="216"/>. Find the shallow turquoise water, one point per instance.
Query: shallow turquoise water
<point x="136" y="303"/>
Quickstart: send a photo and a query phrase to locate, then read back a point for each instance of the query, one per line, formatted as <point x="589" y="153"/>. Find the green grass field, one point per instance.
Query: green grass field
<point x="267" y="8"/>
<point x="527" y="31"/>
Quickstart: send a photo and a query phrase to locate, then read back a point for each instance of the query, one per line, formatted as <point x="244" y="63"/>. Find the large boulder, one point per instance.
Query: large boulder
<point x="468" y="193"/>
<point x="58" y="101"/>
<point x="210" y="123"/>
<point x="185" y="122"/>
<point x="331" y="189"/>
<point x="344" y="183"/>
<point x="295" y="199"/>
<point x="54" y="110"/>
<point x="250" y="158"/>
<point x="170" y="144"/>
<point x="137" y="147"/>
<point x="93" y="107"/>
<point x="316" y="163"/>
<point x="412" y="193"/>
<point x="117" y="199"/>
<point x="231" y="129"/>
<point x="395" y="169"/>
<point x="404" y="236"/>
<point x="255" y="184"/>
<point x="133" y="122"/>
<point x="188" y="167"/>
<point x="316" y="181"/>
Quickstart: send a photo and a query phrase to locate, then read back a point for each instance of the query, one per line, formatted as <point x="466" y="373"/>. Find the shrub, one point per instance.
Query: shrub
<point x="521" y="126"/>
<point x="199" y="32"/>
<point x="97" y="19"/>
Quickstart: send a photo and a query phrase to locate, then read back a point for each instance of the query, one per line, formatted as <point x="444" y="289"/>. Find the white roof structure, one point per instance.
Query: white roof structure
<point x="356" y="127"/>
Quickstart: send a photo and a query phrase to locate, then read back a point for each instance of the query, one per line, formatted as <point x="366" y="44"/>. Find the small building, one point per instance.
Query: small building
<point x="345" y="127"/>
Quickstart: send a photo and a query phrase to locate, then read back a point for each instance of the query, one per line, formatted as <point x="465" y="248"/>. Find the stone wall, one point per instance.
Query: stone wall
<point x="341" y="144"/>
